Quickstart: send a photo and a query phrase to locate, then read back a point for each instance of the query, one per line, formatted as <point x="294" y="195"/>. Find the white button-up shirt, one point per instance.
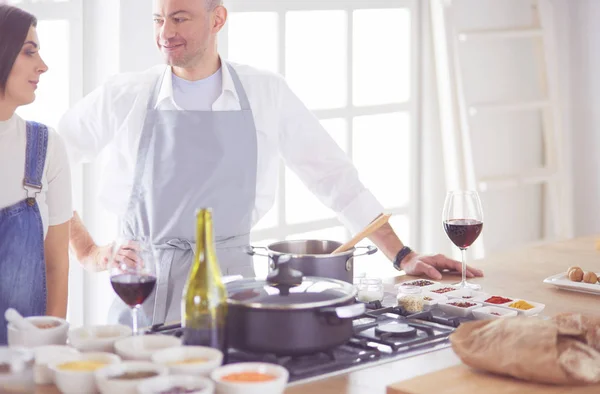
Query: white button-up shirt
<point x="112" y="116"/>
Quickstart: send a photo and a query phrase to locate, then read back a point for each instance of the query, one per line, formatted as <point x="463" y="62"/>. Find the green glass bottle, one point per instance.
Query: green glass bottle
<point x="204" y="302"/>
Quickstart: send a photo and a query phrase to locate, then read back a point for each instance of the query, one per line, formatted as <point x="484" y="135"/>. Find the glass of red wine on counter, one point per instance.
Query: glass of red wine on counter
<point x="133" y="273"/>
<point x="463" y="222"/>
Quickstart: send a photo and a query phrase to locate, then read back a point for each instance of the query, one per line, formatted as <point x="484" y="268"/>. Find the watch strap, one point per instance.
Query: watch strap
<point x="405" y="251"/>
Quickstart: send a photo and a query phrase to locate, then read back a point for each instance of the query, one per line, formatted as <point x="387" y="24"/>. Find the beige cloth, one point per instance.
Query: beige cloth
<point x="564" y="350"/>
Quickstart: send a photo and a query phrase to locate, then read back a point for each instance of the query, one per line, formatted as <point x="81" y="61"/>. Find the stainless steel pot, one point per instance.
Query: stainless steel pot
<point x="313" y="257"/>
<point x="290" y="314"/>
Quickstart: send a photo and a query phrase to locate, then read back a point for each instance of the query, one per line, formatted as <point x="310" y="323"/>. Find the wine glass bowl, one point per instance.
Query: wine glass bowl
<point x="463" y="222"/>
<point x="133" y="272"/>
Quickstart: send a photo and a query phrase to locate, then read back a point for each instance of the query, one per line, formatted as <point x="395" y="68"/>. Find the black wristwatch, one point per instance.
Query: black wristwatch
<point x="405" y="251"/>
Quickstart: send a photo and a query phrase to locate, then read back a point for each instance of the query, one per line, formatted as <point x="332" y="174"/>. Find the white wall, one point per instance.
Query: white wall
<point x="584" y="43"/>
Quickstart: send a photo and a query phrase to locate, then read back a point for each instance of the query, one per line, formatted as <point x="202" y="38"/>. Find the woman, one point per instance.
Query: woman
<point x="35" y="179"/>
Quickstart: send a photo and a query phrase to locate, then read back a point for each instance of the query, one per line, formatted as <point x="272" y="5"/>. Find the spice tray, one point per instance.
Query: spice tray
<point x="512" y="303"/>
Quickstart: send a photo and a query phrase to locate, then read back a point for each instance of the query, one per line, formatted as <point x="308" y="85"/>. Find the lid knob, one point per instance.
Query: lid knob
<point x="284" y="277"/>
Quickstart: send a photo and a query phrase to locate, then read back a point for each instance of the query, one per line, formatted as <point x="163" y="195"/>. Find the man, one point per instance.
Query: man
<point x="202" y="132"/>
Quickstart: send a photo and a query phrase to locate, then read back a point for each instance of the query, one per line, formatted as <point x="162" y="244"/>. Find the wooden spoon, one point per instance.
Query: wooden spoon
<point x="372" y="227"/>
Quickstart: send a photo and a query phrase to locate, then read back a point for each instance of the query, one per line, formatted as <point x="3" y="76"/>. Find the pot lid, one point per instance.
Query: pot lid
<point x="311" y="292"/>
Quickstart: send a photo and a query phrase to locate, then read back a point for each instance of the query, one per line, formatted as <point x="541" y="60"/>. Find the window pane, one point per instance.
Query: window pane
<point x="253" y="39"/>
<point x="301" y="204"/>
<point x="381" y="152"/>
<point x="332" y="233"/>
<point x="381" y="56"/>
<point x="316" y="57"/>
<point x="52" y="97"/>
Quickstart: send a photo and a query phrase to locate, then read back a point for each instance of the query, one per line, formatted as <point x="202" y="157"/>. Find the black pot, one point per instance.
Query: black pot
<point x="289" y="314"/>
<point x="313" y="257"/>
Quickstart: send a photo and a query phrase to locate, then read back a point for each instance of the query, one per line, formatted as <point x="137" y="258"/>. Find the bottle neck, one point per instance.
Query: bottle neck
<point x="205" y="249"/>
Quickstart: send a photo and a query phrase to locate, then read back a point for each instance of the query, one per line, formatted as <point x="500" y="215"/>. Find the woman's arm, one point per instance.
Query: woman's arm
<point x="56" y="249"/>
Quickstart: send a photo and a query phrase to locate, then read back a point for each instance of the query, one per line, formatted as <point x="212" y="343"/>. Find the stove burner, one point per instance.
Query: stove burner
<point x="395" y="330"/>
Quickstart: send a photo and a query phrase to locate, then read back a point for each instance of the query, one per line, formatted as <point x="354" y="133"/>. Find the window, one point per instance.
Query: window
<point x="354" y="64"/>
<point x="59" y="31"/>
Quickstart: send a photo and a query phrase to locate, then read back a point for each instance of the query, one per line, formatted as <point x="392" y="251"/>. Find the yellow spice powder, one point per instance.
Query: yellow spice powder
<point x="523" y="305"/>
<point x="86" y="366"/>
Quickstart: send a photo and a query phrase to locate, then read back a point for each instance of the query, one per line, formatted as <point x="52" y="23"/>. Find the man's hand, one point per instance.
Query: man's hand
<point x="431" y="266"/>
<point x="97" y="258"/>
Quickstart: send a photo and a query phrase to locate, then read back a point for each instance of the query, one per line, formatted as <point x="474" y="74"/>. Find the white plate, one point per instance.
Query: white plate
<point x="485" y="313"/>
<point x="467" y="295"/>
<point x="562" y="282"/>
<point x="487" y="296"/>
<point x="536" y="310"/>
<point x="435" y="298"/>
<point x="457" y="310"/>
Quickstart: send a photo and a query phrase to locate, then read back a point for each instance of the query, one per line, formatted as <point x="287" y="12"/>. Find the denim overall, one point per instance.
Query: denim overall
<point x="189" y="160"/>
<point x="22" y="262"/>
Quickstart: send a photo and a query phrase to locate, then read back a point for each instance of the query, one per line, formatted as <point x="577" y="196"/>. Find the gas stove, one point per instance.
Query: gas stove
<point x="383" y="334"/>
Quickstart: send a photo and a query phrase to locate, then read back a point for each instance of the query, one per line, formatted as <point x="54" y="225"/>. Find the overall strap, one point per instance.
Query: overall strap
<point x="37" y="146"/>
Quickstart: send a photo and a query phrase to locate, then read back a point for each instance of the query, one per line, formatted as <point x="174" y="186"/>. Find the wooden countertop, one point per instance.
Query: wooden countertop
<point x="517" y="273"/>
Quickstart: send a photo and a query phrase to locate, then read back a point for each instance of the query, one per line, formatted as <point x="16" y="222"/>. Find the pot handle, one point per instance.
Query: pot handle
<point x="370" y="250"/>
<point x="346" y="312"/>
<point x="251" y="251"/>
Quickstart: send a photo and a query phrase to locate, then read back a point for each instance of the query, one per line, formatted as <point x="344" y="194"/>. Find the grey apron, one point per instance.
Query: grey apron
<point x="189" y="160"/>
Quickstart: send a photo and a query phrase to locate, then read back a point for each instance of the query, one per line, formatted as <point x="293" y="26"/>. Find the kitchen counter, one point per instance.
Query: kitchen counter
<point x="517" y="273"/>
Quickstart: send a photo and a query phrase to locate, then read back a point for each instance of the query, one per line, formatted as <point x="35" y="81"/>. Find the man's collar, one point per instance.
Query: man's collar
<point x="166" y="88"/>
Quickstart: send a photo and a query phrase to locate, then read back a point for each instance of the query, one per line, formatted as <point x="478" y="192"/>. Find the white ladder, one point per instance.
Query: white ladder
<point x="456" y="113"/>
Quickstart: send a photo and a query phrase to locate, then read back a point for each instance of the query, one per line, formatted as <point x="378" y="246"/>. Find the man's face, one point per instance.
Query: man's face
<point x="183" y="31"/>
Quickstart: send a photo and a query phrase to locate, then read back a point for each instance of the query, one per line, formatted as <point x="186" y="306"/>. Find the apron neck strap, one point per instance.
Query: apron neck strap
<point x="244" y="102"/>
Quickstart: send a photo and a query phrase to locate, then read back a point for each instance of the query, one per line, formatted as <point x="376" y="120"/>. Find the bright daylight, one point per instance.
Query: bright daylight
<point x="299" y="196"/>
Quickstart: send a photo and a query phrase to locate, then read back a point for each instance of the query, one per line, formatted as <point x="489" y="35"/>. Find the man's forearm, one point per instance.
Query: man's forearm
<point x="387" y="241"/>
<point x="80" y="240"/>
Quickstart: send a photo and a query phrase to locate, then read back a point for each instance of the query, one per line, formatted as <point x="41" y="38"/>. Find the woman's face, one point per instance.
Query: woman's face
<point x="25" y="73"/>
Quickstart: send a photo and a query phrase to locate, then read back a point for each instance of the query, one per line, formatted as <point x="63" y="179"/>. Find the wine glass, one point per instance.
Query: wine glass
<point x="463" y="222"/>
<point x="133" y="272"/>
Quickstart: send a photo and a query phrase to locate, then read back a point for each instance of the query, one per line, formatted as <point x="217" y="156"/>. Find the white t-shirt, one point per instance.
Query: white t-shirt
<point x="54" y="200"/>
<point x="197" y="95"/>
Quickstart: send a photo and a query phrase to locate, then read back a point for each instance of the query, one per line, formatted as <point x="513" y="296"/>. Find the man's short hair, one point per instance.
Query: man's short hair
<point x="212" y="4"/>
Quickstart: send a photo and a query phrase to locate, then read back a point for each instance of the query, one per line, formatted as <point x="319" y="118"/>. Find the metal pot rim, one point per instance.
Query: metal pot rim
<point x="300" y="306"/>
<point x="349" y="252"/>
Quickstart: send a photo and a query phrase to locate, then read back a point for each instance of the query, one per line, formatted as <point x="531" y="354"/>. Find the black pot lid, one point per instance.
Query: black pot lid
<point x="312" y="292"/>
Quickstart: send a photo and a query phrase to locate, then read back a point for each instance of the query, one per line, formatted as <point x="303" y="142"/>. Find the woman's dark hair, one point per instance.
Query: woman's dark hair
<point x="14" y="26"/>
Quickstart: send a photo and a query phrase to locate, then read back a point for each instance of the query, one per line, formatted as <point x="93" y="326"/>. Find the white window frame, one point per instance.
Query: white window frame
<point x="413" y="208"/>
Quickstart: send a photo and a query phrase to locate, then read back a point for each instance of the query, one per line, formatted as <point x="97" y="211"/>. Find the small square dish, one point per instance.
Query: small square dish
<point x="460" y="308"/>
<point x="424" y="284"/>
<point x="431" y="299"/>
<point x="493" y="312"/>
<point x="519" y="305"/>
<point x="442" y="289"/>
<point x="467" y="294"/>
<point x="495" y="300"/>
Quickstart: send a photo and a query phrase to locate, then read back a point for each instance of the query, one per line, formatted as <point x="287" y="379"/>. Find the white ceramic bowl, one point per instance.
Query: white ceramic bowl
<point x="423" y="284"/>
<point x="142" y="347"/>
<point x="98" y="338"/>
<point x="21" y="371"/>
<point x="172" y="358"/>
<point x="157" y="385"/>
<point x="492" y="312"/>
<point x="108" y="383"/>
<point x="80" y="382"/>
<point x="453" y="310"/>
<point x="435" y="298"/>
<point x="275" y="386"/>
<point x="467" y="295"/>
<point x="48" y="336"/>
<point x="49" y="354"/>
<point x="486" y="297"/>
<point x="536" y="310"/>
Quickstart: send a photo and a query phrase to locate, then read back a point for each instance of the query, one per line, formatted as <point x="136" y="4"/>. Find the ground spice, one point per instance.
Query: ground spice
<point x="523" y="305"/>
<point x="498" y="300"/>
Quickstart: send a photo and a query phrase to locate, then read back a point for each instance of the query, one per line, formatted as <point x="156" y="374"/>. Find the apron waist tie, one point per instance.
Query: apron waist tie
<point x="164" y="270"/>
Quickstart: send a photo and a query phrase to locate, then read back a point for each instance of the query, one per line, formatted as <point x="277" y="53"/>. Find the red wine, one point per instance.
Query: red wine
<point x="133" y="289"/>
<point x="463" y="232"/>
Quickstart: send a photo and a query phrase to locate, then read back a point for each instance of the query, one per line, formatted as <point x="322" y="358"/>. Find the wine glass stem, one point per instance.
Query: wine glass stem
<point x="464" y="265"/>
<point x="134" y="315"/>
